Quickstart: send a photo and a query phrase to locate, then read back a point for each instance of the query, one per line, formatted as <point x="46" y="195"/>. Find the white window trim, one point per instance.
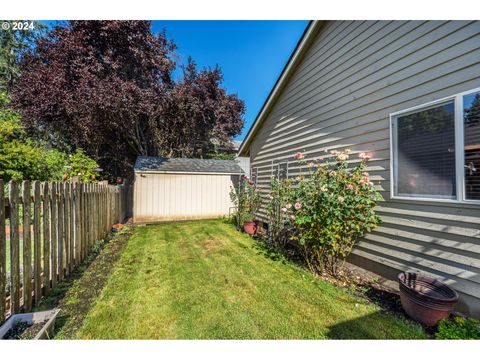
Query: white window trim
<point x="459" y="150"/>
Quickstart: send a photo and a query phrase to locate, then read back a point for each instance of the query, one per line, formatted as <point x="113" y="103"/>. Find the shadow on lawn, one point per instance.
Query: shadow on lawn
<point x="367" y="327"/>
<point x="76" y="295"/>
<point x="264" y="249"/>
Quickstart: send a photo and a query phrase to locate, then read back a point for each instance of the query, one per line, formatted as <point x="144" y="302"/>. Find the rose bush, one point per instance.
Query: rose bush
<point x="327" y="211"/>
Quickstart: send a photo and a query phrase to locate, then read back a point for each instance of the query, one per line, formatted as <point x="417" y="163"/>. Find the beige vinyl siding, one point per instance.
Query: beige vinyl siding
<point x="162" y="197"/>
<point x="353" y="75"/>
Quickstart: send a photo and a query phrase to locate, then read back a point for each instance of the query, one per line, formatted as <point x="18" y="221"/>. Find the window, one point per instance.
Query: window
<point x="471" y="115"/>
<point x="436" y="150"/>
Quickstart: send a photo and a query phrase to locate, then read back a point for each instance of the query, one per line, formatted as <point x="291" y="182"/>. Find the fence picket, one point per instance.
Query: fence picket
<point x="46" y="238"/>
<point x="3" y="255"/>
<point x="61" y="237"/>
<point x="54" y="234"/>
<point x="66" y="221"/>
<point x="76" y="195"/>
<point x="37" y="242"/>
<point x="27" y="246"/>
<point x="66" y="192"/>
<point x="14" y="249"/>
<point x="72" y="224"/>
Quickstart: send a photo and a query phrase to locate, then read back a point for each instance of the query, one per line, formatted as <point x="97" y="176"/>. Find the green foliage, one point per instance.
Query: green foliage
<point x="219" y="155"/>
<point x="326" y="211"/>
<point x="13" y="44"/>
<point x="79" y="164"/>
<point x="247" y="201"/>
<point x="21" y="157"/>
<point x="458" y="328"/>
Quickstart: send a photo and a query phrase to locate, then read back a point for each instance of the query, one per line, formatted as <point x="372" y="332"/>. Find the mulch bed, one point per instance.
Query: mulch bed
<point x="77" y="294"/>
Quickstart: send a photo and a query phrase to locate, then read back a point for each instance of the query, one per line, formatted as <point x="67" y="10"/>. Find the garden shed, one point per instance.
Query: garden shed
<point x="182" y="188"/>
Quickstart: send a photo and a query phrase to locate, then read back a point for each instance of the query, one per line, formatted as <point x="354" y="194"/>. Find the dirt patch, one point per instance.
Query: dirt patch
<point x="78" y="293"/>
<point x="210" y="245"/>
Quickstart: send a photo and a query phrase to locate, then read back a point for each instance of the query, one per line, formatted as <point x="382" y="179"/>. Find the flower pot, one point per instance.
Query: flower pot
<point x="47" y="317"/>
<point x="425" y="299"/>
<point x="117" y="228"/>
<point x="250" y="227"/>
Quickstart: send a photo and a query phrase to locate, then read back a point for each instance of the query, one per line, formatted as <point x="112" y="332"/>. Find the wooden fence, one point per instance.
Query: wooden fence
<point x="46" y="230"/>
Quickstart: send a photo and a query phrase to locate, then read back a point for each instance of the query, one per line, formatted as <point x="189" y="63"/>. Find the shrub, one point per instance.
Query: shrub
<point x="458" y="328"/>
<point x="79" y="164"/>
<point x="327" y="211"/>
<point x="247" y="201"/>
<point x="22" y="158"/>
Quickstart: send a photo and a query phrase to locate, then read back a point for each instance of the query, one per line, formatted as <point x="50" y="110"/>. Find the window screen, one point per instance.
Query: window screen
<point x="424" y="155"/>
<point x="471" y="116"/>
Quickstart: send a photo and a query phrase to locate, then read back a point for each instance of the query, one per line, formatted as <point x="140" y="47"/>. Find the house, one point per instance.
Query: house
<point x="182" y="189"/>
<point x="407" y="92"/>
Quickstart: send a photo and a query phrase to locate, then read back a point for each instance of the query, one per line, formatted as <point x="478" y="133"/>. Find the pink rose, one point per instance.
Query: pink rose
<point x="298" y="206"/>
<point x="299" y="155"/>
<point x="350" y="187"/>
<point x="364" y="156"/>
<point x="292" y="217"/>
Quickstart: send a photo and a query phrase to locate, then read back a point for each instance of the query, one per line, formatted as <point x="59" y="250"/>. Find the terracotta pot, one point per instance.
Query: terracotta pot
<point x="117" y="227"/>
<point x="250" y="227"/>
<point x="425" y="299"/>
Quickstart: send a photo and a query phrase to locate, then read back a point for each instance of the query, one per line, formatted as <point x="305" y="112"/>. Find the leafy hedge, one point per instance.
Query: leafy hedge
<point x="458" y="328"/>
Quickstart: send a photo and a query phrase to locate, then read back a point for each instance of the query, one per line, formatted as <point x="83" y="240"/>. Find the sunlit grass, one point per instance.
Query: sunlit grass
<point x="204" y="280"/>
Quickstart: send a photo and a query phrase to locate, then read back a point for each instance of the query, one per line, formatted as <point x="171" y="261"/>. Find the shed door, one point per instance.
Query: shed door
<point x="160" y="197"/>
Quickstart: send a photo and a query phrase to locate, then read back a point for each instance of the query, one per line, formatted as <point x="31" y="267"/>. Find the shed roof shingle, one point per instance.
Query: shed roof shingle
<point x="150" y="163"/>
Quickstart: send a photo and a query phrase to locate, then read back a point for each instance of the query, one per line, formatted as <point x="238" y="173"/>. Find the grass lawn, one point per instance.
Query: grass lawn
<point x="205" y="280"/>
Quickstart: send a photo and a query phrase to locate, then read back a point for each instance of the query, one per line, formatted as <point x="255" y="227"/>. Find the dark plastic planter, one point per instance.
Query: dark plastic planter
<point x="425" y="299"/>
<point x="250" y="227"/>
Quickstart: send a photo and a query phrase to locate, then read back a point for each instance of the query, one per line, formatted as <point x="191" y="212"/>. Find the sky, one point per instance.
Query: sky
<point x="251" y="54"/>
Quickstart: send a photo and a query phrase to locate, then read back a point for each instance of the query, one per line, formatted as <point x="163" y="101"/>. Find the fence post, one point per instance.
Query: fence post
<point x="3" y="255"/>
<point x="14" y="249"/>
<point x="27" y="247"/>
<point x="46" y="238"/>
<point x="37" y="241"/>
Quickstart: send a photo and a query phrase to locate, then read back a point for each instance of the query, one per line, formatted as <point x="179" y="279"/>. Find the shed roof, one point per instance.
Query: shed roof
<point x="186" y="165"/>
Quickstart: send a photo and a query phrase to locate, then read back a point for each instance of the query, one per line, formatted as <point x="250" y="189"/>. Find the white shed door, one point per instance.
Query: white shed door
<point x="161" y="197"/>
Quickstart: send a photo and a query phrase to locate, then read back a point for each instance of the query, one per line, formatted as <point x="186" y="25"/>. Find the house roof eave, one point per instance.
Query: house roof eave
<point x="280" y="83"/>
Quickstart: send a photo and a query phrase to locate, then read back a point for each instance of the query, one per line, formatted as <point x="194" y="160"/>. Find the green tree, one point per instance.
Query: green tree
<point x="13" y="45"/>
<point x="22" y="158"/>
